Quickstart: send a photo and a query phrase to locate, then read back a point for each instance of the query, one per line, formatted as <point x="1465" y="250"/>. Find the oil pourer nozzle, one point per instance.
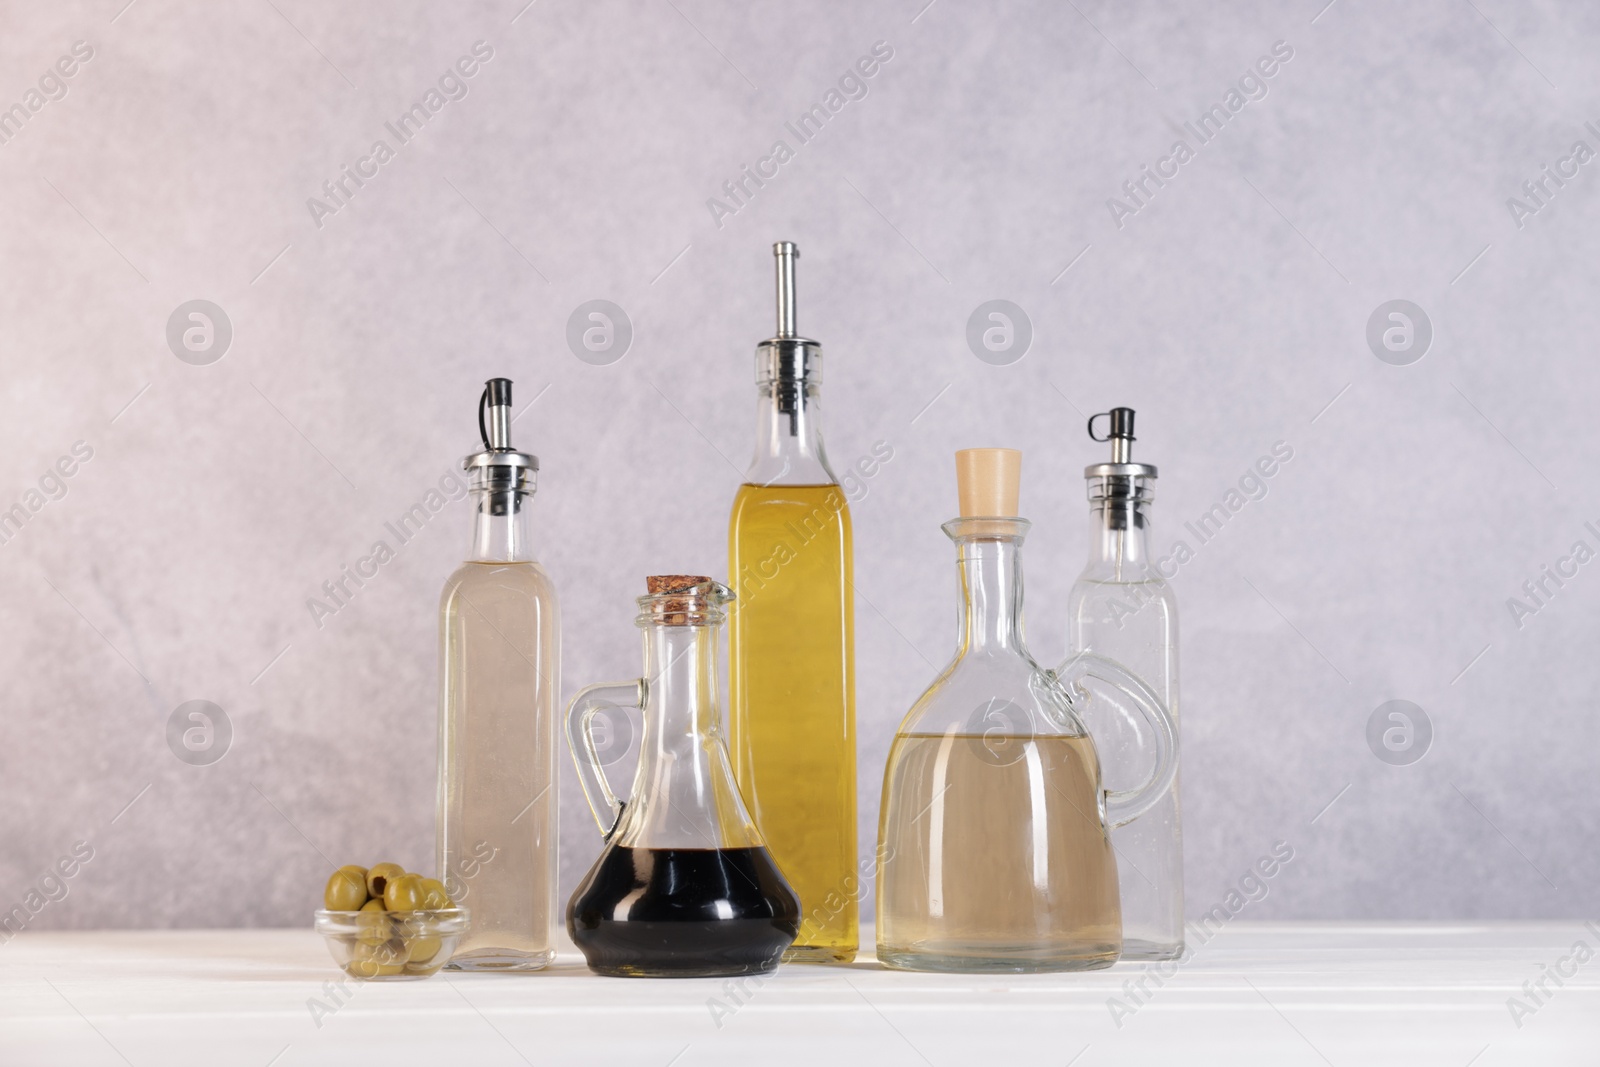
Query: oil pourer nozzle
<point x="1119" y="432"/>
<point x="494" y="415"/>
<point x="499" y="466"/>
<point x="786" y="253"/>
<point x="786" y="360"/>
<point x="1122" y="483"/>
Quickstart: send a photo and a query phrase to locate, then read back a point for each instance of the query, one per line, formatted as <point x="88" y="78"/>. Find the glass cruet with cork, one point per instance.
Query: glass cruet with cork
<point x="994" y="851"/>
<point x="1122" y="607"/>
<point x="684" y="886"/>
<point x="500" y="673"/>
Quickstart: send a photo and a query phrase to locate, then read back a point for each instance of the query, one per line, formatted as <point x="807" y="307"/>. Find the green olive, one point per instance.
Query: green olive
<point x="346" y="890"/>
<point x="372" y="924"/>
<point x="421" y="949"/>
<point x="405" y="893"/>
<point x="378" y="878"/>
<point x="437" y="898"/>
<point x="391" y="951"/>
<point x="372" y="968"/>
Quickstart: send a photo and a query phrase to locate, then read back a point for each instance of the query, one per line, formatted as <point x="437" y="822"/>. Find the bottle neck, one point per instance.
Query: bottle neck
<point x="1119" y="522"/>
<point x="991" y="595"/>
<point x="683" y="706"/>
<point x="684" y="794"/>
<point x="501" y="531"/>
<point x="789" y="436"/>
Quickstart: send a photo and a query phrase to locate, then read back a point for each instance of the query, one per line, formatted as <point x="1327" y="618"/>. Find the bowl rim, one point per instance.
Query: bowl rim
<point x="457" y="910"/>
<point x="431" y="916"/>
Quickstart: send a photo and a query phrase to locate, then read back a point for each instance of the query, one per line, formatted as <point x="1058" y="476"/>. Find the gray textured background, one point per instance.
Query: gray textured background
<point x="1230" y="311"/>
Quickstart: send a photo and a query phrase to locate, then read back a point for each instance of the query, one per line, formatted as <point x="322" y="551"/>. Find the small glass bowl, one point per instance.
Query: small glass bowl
<point x="388" y="946"/>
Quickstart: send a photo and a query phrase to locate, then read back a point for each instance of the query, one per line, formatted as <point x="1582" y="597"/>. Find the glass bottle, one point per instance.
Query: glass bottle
<point x="792" y="641"/>
<point x="994" y="852"/>
<point x="684" y="887"/>
<point x="1121" y="607"/>
<point x="500" y="663"/>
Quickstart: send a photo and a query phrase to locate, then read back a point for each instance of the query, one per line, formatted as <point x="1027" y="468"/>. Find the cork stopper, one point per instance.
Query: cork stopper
<point x="988" y="481"/>
<point x="683" y="600"/>
<point x="657" y="584"/>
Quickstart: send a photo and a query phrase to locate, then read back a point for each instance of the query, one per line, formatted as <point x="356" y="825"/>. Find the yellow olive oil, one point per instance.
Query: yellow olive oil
<point x="792" y="717"/>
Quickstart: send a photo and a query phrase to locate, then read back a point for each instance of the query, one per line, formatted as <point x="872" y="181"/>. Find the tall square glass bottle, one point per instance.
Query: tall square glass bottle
<point x="1122" y="608"/>
<point x="792" y="642"/>
<point x="500" y="668"/>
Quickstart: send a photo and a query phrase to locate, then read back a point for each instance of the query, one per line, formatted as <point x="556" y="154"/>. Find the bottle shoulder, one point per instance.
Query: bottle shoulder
<point x="790" y="467"/>
<point x="992" y="694"/>
<point x="780" y="502"/>
<point x="527" y="577"/>
<point x="1097" y="584"/>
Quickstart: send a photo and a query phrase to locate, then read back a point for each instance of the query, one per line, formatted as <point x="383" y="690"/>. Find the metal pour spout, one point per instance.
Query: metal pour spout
<point x="494" y="415"/>
<point x="499" y="467"/>
<point x="786" y="252"/>
<point x="1119" y="432"/>
<point x="1120" y="487"/>
<point x="787" y="363"/>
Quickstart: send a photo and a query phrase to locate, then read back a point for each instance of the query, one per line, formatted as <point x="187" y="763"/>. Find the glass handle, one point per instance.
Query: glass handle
<point x="580" y="738"/>
<point x="1125" y="805"/>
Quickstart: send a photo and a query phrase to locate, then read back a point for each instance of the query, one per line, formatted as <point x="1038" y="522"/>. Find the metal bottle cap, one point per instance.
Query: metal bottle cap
<point x="502" y="466"/>
<point x="1119" y="431"/>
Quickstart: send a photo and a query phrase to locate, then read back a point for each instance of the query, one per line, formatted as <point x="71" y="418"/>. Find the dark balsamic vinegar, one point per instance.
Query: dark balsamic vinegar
<point x="683" y="913"/>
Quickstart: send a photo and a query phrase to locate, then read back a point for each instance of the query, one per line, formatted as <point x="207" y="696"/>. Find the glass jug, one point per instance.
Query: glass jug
<point x="685" y="886"/>
<point x="994" y="839"/>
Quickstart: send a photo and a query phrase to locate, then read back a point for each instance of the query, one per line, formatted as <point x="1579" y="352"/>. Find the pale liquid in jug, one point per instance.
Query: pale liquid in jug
<point x="996" y="856"/>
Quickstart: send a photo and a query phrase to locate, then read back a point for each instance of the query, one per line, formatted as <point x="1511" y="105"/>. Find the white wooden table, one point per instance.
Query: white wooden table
<point x="1280" y="994"/>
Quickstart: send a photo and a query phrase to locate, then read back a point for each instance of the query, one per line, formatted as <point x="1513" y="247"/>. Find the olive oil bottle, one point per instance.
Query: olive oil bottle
<point x="792" y="642"/>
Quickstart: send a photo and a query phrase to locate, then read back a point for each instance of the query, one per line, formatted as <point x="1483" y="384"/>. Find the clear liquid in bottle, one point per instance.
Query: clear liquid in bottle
<point x="498" y="848"/>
